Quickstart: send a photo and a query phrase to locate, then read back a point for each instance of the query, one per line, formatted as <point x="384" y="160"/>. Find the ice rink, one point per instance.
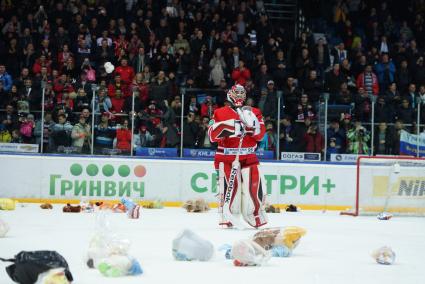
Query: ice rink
<point x="336" y="248"/>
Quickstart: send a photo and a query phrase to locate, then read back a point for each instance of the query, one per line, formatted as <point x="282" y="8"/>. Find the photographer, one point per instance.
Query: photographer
<point x="358" y="137"/>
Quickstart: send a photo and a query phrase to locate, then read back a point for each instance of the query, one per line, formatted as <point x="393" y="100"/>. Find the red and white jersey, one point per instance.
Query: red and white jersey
<point x="223" y="126"/>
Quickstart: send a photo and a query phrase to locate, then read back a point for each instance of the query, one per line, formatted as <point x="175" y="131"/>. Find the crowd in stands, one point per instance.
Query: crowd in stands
<point x="357" y="51"/>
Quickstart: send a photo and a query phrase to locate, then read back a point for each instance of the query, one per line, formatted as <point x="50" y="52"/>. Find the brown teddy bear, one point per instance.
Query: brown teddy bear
<point x="272" y="209"/>
<point x="46" y="206"/>
<point x="71" y="209"/>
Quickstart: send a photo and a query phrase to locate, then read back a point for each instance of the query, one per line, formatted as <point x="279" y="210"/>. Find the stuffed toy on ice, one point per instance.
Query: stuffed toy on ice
<point x="7" y="204"/>
<point x="156" y="204"/>
<point x="196" y="206"/>
<point x="132" y="209"/>
<point x="46" y="206"/>
<point x="53" y="276"/>
<point x="68" y="208"/>
<point x="281" y="241"/>
<point x="272" y="209"/>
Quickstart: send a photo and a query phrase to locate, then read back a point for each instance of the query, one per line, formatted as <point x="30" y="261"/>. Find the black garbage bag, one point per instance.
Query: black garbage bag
<point x="29" y="264"/>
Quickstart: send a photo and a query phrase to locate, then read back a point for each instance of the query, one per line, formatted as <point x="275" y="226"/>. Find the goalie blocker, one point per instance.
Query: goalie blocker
<point x="237" y="133"/>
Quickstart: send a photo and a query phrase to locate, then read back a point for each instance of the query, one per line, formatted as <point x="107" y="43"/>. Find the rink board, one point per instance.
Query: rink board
<point x="62" y="179"/>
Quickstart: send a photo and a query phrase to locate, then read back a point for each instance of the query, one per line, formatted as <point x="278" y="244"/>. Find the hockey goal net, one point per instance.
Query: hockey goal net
<point x="389" y="184"/>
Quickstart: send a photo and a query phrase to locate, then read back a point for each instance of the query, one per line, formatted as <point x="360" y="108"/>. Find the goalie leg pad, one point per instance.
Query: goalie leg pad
<point x="253" y="197"/>
<point x="234" y="203"/>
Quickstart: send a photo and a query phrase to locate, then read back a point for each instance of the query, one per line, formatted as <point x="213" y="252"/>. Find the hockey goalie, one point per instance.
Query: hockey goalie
<point x="237" y="130"/>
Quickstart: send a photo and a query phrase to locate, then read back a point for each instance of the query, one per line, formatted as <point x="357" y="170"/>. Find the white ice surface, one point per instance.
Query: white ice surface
<point x="336" y="248"/>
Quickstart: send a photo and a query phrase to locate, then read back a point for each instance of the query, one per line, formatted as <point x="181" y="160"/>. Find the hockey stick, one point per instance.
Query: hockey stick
<point x="230" y="188"/>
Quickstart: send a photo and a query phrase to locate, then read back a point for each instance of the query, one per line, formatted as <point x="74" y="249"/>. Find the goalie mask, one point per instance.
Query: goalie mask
<point x="236" y="95"/>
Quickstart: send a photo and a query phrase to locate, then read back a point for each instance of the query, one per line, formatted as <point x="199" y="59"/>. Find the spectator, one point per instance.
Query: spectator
<point x="313" y="87"/>
<point x="241" y="74"/>
<point x="47" y="130"/>
<point x="26" y="128"/>
<point x="140" y="60"/>
<point x="203" y="138"/>
<point x="303" y="65"/>
<point x="393" y="96"/>
<point x="126" y="72"/>
<point x="269" y="141"/>
<point x="345" y="97"/>
<point x="337" y="136"/>
<point x="358" y="138"/>
<point x="268" y="101"/>
<point x="333" y="81"/>
<point x="190" y="131"/>
<point x="368" y="81"/>
<point x="61" y="133"/>
<point x="406" y="113"/>
<point x="279" y="68"/>
<point x="5" y="78"/>
<point x="382" y="145"/>
<point x="81" y="136"/>
<point x="363" y="108"/>
<point x="104" y="134"/>
<point x="208" y="107"/>
<point x="5" y="136"/>
<point x="263" y="77"/>
<point x="321" y="57"/>
<point x="291" y="94"/>
<point x="218" y="67"/>
<point x="305" y="109"/>
<point x="411" y="95"/>
<point x="314" y="140"/>
<point x="290" y="136"/>
<point x="182" y="66"/>
<point x="385" y="70"/>
<point x="102" y="102"/>
<point x="384" y="112"/>
<point x="395" y="137"/>
<point x="123" y="137"/>
<point x="143" y="138"/>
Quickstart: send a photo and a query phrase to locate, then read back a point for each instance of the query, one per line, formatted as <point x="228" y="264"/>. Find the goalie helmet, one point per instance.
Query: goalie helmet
<point x="237" y="95"/>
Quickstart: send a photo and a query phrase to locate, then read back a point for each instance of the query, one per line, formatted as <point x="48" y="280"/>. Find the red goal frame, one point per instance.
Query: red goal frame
<point x="359" y="159"/>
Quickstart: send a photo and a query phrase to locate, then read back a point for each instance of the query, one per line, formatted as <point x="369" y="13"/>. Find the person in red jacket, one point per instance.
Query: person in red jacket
<point x="314" y="141"/>
<point x="237" y="130"/>
<point x="241" y="74"/>
<point x="368" y="81"/>
<point x="123" y="136"/>
<point x="126" y="72"/>
<point x="208" y="107"/>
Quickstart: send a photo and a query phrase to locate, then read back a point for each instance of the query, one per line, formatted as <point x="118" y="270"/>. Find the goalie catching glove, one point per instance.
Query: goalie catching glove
<point x="250" y="122"/>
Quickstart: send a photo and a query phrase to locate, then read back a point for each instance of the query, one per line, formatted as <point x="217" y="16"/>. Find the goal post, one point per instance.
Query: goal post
<point x="394" y="184"/>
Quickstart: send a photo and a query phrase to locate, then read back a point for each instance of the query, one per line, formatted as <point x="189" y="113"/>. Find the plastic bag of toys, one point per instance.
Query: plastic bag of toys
<point x="188" y="246"/>
<point x="109" y="253"/>
<point x="249" y="253"/>
<point x="281" y="241"/>
<point x="384" y="255"/>
<point x="4" y="228"/>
